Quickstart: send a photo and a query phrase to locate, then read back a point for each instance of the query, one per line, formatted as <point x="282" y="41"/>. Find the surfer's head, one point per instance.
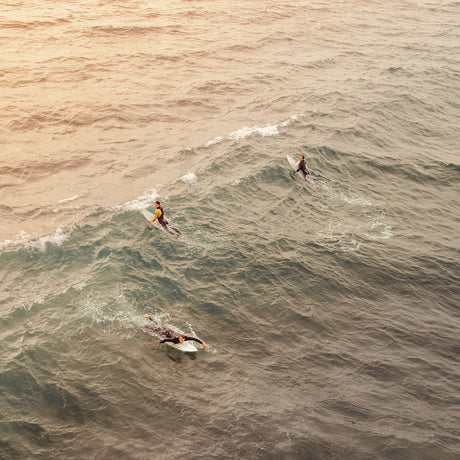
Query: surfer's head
<point x="302" y="157"/>
<point x="157" y="204"/>
<point x="181" y="338"/>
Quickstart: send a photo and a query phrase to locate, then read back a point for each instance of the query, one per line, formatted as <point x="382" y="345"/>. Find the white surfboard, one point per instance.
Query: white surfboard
<point x="294" y="165"/>
<point x="186" y="347"/>
<point x="149" y="217"/>
<point x="147" y="214"/>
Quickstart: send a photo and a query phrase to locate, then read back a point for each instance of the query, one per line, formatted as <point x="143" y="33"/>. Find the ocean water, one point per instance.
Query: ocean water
<point x="331" y="312"/>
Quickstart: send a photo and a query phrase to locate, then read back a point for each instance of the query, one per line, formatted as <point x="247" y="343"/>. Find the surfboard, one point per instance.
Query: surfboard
<point x="148" y="215"/>
<point x="294" y="164"/>
<point x="186" y="347"/>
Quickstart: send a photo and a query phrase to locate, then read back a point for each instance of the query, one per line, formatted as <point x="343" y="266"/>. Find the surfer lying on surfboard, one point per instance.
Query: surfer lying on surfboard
<point x="160" y="216"/>
<point x="303" y="166"/>
<point x="169" y="334"/>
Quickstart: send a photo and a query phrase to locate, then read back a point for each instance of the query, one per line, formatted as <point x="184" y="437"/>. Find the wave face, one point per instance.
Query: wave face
<point x="331" y="312"/>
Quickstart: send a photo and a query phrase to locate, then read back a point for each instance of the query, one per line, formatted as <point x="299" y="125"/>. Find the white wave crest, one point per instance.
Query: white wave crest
<point x="269" y="130"/>
<point x="66" y="208"/>
<point x="214" y="141"/>
<point x="139" y="203"/>
<point x="289" y="121"/>
<point x="21" y="237"/>
<point x="66" y="200"/>
<point x="56" y="238"/>
<point x="189" y="178"/>
<point x="23" y="240"/>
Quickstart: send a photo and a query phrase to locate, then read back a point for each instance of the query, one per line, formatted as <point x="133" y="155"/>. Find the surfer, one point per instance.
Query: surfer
<point x="160" y="216"/>
<point x="170" y="335"/>
<point x="302" y="166"/>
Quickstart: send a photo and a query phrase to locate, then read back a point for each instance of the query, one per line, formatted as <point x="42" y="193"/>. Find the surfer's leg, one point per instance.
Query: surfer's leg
<point x="176" y="231"/>
<point x="165" y="227"/>
<point x="172" y="230"/>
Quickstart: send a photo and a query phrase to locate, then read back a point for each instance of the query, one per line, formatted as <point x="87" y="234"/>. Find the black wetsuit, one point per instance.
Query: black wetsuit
<point x="186" y="337"/>
<point x="170" y="335"/>
<point x="303" y="167"/>
<point x="165" y="224"/>
<point x="162" y="219"/>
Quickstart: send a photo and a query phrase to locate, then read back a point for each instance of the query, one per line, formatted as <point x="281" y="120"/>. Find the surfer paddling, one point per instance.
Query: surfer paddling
<point x="170" y="335"/>
<point x="302" y="166"/>
<point x="160" y="216"/>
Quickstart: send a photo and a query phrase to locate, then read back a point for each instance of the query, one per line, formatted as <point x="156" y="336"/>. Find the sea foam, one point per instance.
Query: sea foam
<point x="23" y="240"/>
<point x="189" y="178"/>
<point x="66" y="200"/>
<point x="21" y="237"/>
<point x="139" y="203"/>
<point x="242" y="133"/>
<point x="56" y="238"/>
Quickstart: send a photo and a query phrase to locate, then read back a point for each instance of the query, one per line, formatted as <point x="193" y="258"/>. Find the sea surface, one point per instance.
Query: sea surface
<point x="331" y="311"/>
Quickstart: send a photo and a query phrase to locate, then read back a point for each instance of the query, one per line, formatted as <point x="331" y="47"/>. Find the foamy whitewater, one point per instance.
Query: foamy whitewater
<point x="330" y="310"/>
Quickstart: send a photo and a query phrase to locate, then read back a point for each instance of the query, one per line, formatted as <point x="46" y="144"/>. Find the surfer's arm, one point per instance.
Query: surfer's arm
<point x="166" y="340"/>
<point x="163" y="341"/>
<point x="156" y="326"/>
<point x="157" y="215"/>
<point x="196" y="340"/>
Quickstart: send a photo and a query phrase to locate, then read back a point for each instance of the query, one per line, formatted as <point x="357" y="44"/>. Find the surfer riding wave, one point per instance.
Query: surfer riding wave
<point x="160" y="216"/>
